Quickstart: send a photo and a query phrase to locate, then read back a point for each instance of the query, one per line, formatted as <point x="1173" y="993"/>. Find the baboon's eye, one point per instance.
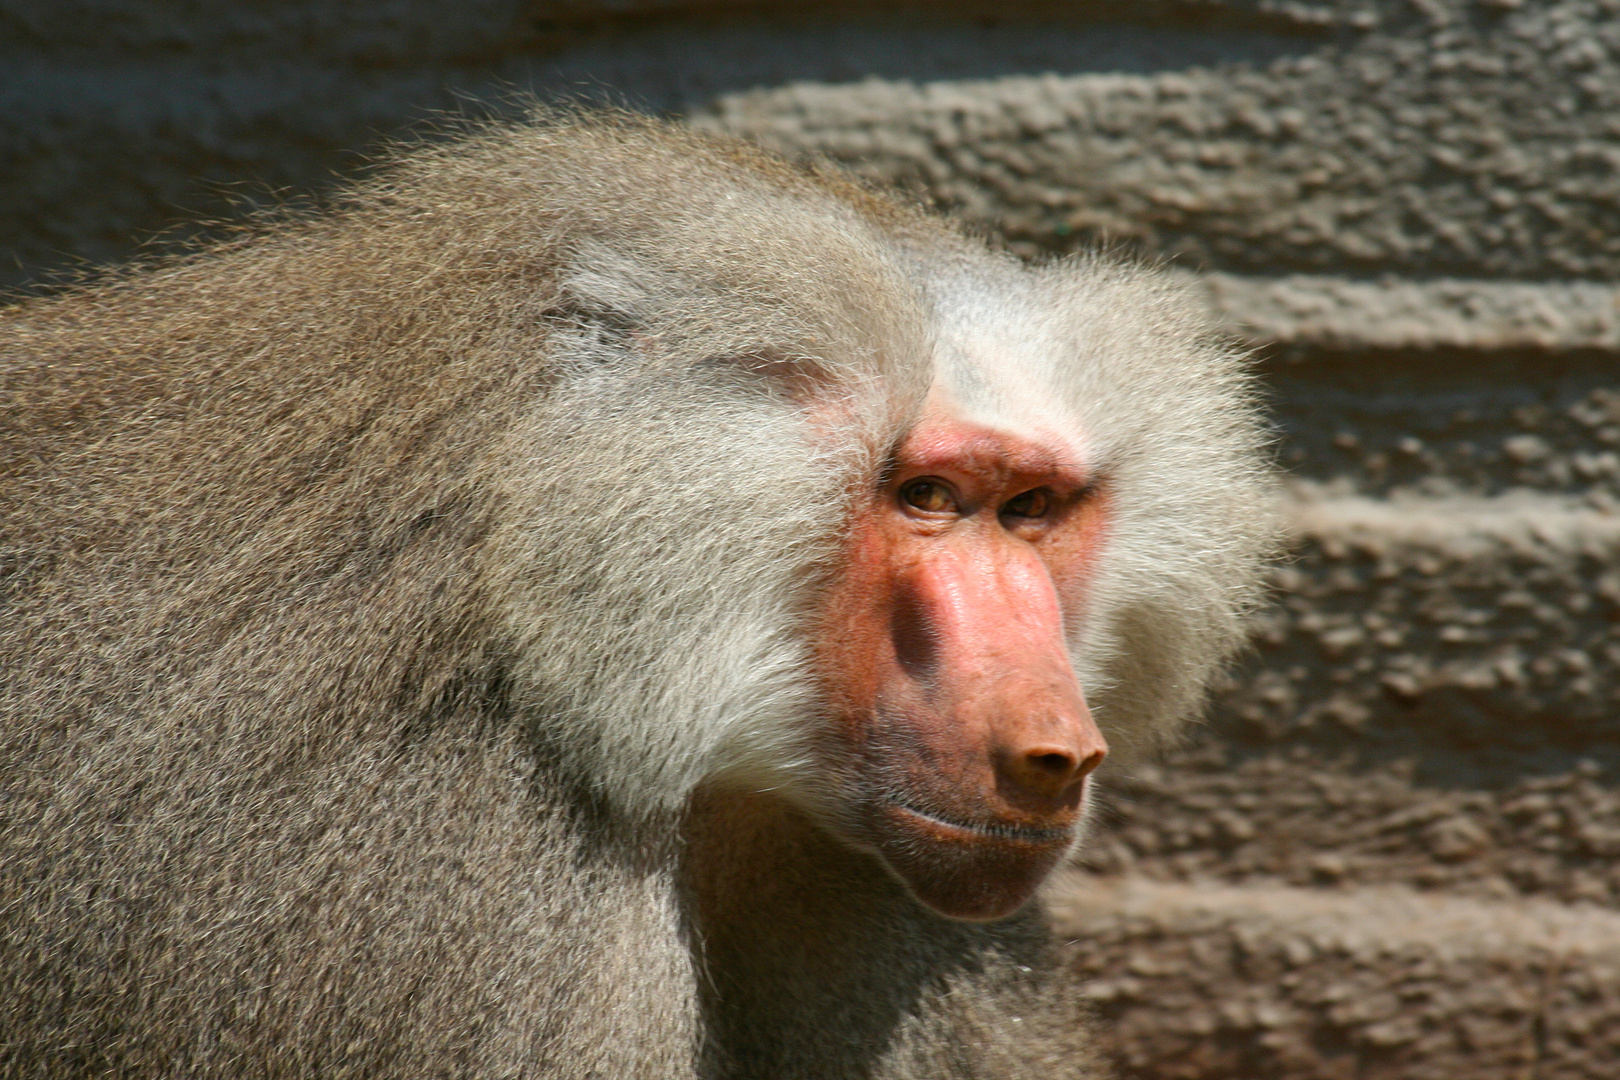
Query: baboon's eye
<point x="929" y="495"/>
<point x="1031" y="504"/>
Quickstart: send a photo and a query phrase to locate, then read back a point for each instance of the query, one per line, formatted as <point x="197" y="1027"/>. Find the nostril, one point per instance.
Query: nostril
<point x="1049" y="765"/>
<point x="1053" y="763"/>
<point x="1050" y="771"/>
<point x="1044" y="771"/>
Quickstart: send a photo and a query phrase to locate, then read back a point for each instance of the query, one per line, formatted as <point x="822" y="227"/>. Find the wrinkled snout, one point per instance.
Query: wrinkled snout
<point x="999" y="680"/>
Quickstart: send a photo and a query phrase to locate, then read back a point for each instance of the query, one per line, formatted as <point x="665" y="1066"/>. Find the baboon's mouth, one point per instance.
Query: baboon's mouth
<point x="971" y="867"/>
<point x="984" y="828"/>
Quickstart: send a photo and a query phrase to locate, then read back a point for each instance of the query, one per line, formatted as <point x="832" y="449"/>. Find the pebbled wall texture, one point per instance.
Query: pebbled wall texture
<point x="1393" y="851"/>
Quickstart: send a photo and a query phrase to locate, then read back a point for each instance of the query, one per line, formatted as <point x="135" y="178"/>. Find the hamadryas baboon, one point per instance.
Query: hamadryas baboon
<point x="597" y="602"/>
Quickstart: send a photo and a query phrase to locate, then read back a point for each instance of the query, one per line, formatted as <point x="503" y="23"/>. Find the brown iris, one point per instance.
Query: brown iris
<point x="929" y="495"/>
<point x="1031" y="504"/>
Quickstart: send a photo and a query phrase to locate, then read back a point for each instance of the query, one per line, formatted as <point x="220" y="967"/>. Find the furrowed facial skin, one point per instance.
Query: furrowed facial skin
<point x="602" y="601"/>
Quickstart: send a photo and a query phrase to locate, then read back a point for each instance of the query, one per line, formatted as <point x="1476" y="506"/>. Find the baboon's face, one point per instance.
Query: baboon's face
<point x="958" y="713"/>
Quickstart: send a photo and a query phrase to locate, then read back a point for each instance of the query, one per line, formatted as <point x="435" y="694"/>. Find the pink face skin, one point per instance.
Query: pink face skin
<point x="945" y="656"/>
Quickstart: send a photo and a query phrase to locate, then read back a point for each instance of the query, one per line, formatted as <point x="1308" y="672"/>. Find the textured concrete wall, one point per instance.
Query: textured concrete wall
<point x="1392" y="851"/>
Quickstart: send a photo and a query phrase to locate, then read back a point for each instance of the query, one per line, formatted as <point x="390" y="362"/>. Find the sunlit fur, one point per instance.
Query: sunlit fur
<point x="383" y="590"/>
<point x="1119" y="359"/>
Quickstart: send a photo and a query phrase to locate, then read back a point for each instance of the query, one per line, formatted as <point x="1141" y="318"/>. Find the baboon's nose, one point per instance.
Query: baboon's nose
<point x="1053" y="769"/>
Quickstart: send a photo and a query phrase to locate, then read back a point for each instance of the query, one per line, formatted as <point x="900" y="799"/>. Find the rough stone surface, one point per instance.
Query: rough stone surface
<point x="1329" y="312"/>
<point x="1204" y="980"/>
<point x="1472" y="138"/>
<point x="123" y="118"/>
<point x="1446" y="137"/>
<point x="1393" y="849"/>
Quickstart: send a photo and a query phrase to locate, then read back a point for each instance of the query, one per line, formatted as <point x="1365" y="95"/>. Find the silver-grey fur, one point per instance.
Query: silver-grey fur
<point x="405" y="612"/>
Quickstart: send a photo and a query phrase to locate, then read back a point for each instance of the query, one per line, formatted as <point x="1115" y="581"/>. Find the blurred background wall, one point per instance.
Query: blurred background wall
<point x="1392" y="850"/>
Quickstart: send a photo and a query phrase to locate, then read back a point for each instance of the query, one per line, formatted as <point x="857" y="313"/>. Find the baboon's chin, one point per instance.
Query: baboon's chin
<point x="976" y="872"/>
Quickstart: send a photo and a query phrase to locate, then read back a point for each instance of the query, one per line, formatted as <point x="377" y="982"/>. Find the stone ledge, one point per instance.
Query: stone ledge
<point x="1369" y="922"/>
<point x="1472" y="630"/>
<point x="1393" y="313"/>
<point x="1212" y="812"/>
<point x="1450" y="145"/>
<point x="1464" y="525"/>
<point x="1204" y="980"/>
